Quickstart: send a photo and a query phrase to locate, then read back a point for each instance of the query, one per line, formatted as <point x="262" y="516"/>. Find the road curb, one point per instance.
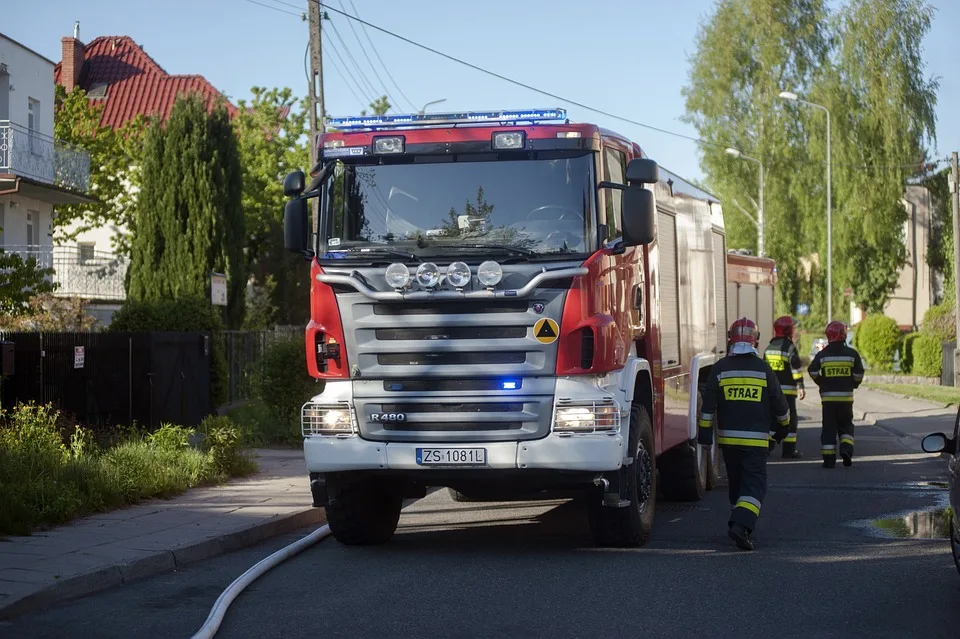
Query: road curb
<point x="120" y="573"/>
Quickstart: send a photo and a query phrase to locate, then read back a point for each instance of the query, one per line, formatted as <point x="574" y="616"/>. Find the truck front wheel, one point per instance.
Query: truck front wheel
<point x="364" y="512"/>
<point x="632" y="524"/>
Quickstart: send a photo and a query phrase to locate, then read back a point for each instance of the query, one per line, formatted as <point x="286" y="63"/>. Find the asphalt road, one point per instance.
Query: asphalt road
<point x="528" y="569"/>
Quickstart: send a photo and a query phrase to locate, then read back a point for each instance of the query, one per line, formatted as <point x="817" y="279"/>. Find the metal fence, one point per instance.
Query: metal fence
<point x="79" y="272"/>
<point x="29" y="153"/>
<point x="109" y="379"/>
<point x="244" y="352"/>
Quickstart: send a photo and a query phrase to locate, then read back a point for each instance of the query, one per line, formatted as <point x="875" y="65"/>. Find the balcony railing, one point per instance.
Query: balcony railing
<point x="40" y="157"/>
<point x="91" y="275"/>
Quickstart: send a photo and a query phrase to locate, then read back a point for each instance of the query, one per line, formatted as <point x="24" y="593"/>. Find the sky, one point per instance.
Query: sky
<point x="627" y="57"/>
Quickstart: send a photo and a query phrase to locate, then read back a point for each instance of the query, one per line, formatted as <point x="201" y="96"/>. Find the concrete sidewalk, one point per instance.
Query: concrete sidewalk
<point x="870" y="405"/>
<point x="116" y="547"/>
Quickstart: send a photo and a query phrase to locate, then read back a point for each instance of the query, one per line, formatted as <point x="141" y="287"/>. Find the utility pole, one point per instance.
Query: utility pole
<point x="317" y="111"/>
<point x="955" y="199"/>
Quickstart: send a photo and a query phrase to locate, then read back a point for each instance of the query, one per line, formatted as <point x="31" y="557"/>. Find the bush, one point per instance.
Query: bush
<point x="183" y="314"/>
<point x="907" y="350"/>
<point x="48" y="477"/>
<point x="877" y="338"/>
<point x="939" y="321"/>
<point x="927" y="356"/>
<point x="283" y="384"/>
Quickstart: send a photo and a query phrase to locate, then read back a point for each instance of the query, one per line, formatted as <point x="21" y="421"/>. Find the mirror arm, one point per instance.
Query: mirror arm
<point x="612" y="185"/>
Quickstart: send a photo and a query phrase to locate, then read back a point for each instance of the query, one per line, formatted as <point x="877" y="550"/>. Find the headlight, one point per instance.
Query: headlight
<point x="458" y="274"/>
<point x="327" y="420"/>
<point x="595" y="417"/>
<point x="428" y="274"/>
<point x="388" y="145"/>
<point x="397" y="275"/>
<point x="490" y="273"/>
<point x="508" y="140"/>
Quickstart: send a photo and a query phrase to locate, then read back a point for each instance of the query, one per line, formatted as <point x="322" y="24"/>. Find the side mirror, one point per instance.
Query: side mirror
<point x="643" y="171"/>
<point x="938" y="443"/>
<point x="294" y="183"/>
<point x="296" y="218"/>
<point x="637" y="216"/>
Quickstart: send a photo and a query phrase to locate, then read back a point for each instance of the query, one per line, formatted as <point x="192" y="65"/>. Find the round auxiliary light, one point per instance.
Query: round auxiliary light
<point x="397" y="275"/>
<point x="490" y="273"/>
<point x="428" y="275"/>
<point x="458" y="274"/>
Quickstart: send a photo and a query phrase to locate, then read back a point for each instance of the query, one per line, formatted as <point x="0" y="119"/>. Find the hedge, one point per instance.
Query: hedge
<point x="877" y="338"/>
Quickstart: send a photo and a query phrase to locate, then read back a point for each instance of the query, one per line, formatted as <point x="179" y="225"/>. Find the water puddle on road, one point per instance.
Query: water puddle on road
<point x="924" y="524"/>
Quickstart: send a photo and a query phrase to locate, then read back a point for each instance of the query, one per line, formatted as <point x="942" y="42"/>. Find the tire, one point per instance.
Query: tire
<point x="631" y="525"/>
<point x="684" y="471"/>
<point x="364" y="513"/>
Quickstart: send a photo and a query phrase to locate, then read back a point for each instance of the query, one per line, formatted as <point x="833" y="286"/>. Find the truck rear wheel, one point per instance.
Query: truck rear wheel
<point x="685" y="469"/>
<point x="364" y="513"/>
<point x="631" y="525"/>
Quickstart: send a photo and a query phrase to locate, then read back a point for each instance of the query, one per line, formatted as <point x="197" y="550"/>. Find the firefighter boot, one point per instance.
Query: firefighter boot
<point x="829" y="461"/>
<point x="790" y="451"/>
<point x="740" y="536"/>
<point x="847" y="458"/>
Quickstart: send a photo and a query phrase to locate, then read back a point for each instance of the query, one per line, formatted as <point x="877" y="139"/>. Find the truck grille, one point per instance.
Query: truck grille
<point x="443" y="363"/>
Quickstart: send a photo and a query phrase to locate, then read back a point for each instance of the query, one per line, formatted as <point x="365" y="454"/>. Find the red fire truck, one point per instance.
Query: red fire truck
<point x="504" y="302"/>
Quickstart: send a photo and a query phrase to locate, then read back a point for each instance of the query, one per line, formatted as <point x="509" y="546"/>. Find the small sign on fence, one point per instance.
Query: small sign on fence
<point x="218" y="289"/>
<point x="78" y="356"/>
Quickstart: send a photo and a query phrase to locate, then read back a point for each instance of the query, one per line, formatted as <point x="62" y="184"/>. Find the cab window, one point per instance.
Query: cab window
<point x="614" y="170"/>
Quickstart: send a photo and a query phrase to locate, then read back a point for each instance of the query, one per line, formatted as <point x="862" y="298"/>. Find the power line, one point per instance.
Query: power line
<point x="377" y="53"/>
<point x="270" y="6"/>
<point x="346" y="50"/>
<point x="363" y="49"/>
<point x="343" y="76"/>
<point x="559" y="97"/>
<point x="346" y="72"/>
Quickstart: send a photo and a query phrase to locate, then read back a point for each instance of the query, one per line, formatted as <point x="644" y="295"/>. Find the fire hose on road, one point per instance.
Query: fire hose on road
<point x="209" y="628"/>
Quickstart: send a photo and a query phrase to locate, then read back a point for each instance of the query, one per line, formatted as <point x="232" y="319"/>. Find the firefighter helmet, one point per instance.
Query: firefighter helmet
<point x="744" y="330"/>
<point x="783" y="326"/>
<point x="836" y="332"/>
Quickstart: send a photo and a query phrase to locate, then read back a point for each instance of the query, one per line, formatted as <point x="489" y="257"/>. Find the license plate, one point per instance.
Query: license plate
<point x="452" y="456"/>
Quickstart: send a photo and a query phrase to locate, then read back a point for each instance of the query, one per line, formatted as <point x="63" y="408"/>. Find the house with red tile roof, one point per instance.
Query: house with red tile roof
<point x="117" y="73"/>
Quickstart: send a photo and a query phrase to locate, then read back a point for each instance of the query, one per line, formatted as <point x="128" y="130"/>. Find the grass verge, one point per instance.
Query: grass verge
<point x="938" y="394"/>
<point x="52" y="471"/>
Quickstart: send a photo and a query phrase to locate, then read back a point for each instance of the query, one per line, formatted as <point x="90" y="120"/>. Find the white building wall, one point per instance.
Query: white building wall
<point x="14" y="222"/>
<point x="30" y="78"/>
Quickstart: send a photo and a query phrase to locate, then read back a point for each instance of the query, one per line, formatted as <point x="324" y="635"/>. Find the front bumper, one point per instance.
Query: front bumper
<point x="596" y="453"/>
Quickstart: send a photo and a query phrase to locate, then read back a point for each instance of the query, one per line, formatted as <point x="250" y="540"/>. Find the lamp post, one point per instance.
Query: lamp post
<point x="424" y="109"/>
<point x="740" y="156"/>
<point x="792" y="97"/>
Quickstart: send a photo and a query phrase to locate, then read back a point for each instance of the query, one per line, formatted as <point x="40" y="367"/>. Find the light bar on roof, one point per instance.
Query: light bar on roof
<point x="433" y="119"/>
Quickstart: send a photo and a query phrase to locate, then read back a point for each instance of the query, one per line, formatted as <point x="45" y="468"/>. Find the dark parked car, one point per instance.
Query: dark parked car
<point x="940" y="443"/>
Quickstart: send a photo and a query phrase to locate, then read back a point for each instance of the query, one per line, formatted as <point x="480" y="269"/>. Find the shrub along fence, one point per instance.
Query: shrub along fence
<point x="244" y="352"/>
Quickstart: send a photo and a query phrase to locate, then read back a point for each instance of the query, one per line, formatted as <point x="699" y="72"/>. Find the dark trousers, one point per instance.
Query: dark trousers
<point x="790" y="441"/>
<point x="837" y="421"/>
<point x="747" y="474"/>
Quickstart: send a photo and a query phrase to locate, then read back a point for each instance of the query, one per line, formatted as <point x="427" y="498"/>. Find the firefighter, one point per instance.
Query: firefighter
<point x="782" y="356"/>
<point x="744" y="401"/>
<point x="838" y="371"/>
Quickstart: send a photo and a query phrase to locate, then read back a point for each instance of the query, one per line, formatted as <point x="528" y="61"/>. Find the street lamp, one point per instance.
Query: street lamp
<point x="740" y="156"/>
<point x="792" y="97"/>
<point x="424" y="109"/>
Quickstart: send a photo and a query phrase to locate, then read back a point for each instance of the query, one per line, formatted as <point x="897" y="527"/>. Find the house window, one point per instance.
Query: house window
<point x="32" y="217"/>
<point x="33" y="124"/>
<point x="86" y="251"/>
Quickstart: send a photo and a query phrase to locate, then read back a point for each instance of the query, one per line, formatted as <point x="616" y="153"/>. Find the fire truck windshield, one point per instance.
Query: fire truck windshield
<point x="524" y="206"/>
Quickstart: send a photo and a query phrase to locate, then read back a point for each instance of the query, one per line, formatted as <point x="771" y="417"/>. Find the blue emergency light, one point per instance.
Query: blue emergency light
<point x="379" y="122"/>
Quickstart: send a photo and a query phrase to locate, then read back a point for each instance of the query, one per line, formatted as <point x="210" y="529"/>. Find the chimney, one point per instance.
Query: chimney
<point x="72" y="61"/>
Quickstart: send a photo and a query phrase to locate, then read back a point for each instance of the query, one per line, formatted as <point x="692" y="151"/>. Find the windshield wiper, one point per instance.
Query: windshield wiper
<point x="516" y="250"/>
<point x="382" y="250"/>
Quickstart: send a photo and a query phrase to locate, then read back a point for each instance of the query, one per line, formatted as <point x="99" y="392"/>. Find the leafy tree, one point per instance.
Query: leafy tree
<point x="46" y="312"/>
<point x="273" y="139"/>
<point x="20" y="280"/>
<point x="862" y="62"/>
<point x="114" y="156"/>
<point x="189" y="215"/>
<point x="746" y="52"/>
